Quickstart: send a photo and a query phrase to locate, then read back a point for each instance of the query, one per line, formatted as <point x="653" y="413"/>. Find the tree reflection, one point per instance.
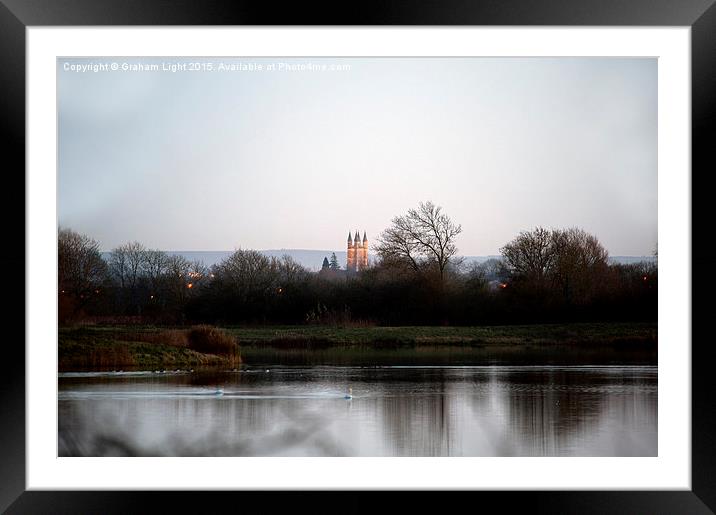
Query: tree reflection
<point x="408" y="411"/>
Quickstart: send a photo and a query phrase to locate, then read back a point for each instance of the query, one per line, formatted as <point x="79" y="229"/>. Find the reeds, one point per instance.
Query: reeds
<point x="212" y="340"/>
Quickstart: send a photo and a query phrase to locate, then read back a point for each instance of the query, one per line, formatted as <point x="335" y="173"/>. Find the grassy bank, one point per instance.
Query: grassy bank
<point x="87" y="348"/>
<point x="416" y="336"/>
<point x="150" y="347"/>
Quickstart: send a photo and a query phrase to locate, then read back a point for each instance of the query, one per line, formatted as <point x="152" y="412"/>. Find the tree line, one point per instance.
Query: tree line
<point x="544" y="275"/>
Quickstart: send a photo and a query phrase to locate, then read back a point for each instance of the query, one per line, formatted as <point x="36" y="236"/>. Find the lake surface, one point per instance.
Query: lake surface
<point x="409" y="410"/>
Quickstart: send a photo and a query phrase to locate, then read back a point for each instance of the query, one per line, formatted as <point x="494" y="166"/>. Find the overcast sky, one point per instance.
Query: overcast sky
<point x="221" y="159"/>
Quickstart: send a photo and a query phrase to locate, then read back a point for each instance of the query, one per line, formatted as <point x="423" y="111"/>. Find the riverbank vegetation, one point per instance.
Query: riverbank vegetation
<point x="117" y="347"/>
<point x="224" y="339"/>
<point x="151" y="347"/>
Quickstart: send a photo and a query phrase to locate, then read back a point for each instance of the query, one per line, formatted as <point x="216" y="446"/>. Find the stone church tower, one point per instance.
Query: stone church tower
<point x="357" y="252"/>
<point x="351" y="264"/>
<point x="362" y="257"/>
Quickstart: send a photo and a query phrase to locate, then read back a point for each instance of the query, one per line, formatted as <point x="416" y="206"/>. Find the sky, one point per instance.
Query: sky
<point x="227" y="153"/>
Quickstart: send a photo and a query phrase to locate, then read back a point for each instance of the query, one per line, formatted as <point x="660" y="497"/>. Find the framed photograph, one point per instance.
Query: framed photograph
<point x="511" y="314"/>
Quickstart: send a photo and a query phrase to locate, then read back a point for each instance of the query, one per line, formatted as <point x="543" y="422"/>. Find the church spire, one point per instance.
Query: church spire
<point x="351" y="253"/>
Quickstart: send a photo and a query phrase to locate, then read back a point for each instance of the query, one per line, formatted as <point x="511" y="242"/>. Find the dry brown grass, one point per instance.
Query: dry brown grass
<point x="146" y="348"/>
<point x="201" y="338"/>
<point x="212" y="340"/>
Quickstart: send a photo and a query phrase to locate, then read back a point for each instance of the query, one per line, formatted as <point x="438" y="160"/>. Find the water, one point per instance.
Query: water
<point x="411" y="410"/>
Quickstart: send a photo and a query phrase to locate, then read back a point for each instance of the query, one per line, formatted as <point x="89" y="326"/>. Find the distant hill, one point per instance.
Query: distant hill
<point x="627" y="260"/>
<point x="623" y="260"/>
<point x="313" y="259"/>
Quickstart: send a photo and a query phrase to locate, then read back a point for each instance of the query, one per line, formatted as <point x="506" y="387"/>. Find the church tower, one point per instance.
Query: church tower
<point x="363" y="257"/>
<point x="351" y="264"/>
<point x="358" y="251"/>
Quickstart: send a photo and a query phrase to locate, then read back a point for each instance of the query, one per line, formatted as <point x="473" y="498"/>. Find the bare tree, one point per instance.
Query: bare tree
<point x="127" y="265"/>
<point x="118" y="266"/>
<point x="247" y="274"/>
<point x="127" y="262"/>
<point x="288" y="269"/>
<point x="425" y="235"/>
<point x="198" y="271"/>
<point x="580" y="263"/>
<point x="80" y="273"/>
<point x="154" y="267"/>
<point x="177" y="273"/>
<point x="531" y="255"/>
<point x="570" y="259"/>
<point x="81" y="268"/>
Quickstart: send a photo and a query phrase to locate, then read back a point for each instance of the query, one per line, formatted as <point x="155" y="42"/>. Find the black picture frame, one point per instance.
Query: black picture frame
<point x="16" y="15"/>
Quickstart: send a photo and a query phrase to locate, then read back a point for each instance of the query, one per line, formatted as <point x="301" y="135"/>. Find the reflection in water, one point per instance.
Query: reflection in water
<point x="395" y="411"/>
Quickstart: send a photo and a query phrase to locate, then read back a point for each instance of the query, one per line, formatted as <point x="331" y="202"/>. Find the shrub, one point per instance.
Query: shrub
<point x="211" y="340"/>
